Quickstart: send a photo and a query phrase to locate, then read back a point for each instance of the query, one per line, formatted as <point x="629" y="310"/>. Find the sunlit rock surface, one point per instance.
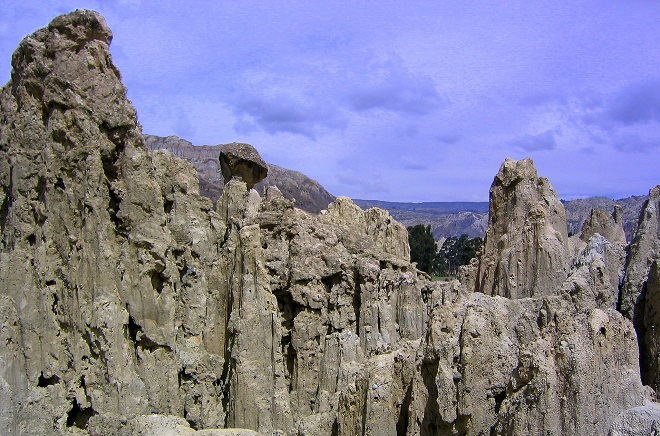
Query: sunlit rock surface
<point x="129" y="304"/>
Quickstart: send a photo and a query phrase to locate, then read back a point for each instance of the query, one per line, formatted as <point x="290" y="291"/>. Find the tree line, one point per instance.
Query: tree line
<point x="453" y="253"/>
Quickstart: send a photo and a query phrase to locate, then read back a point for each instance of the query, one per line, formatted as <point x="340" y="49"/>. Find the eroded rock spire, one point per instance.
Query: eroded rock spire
<point x="526" y="247"/>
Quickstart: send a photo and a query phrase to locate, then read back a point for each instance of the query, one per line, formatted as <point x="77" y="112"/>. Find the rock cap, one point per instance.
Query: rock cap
<point x="242" y="161"/>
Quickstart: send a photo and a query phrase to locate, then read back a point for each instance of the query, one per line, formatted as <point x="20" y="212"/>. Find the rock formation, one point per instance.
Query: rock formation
<point x="607" y="225"/>
<point x="640" y="291"/>
<point x="242" y="161"/>
<point x="579" y="210"/>
<point x="526" y="247"/>
<point x="129" y="305"/>
<point x="308" y="194"/>
<point x="599" y="258"/>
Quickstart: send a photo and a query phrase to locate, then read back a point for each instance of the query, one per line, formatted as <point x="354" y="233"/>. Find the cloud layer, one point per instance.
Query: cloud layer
<point x="396" y="101"/>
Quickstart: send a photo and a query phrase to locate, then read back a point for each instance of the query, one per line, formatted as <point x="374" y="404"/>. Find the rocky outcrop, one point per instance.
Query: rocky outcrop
<point x="129" y="305"/>
<point x="643" y="251"/>
<point x="640" y="292"/>
<point x="471" y="218"/>
<point x="526" y="248"/>
<point x="607" y="225"/>
<point x="638" y="421"/>
<point x="598" y="261"/>
<point x="649" y="333"/>
<point x="241" y="161"/>
<point x="308" y="194"/>
<point x="579" y="210"/>
<point x="527" y="366"/>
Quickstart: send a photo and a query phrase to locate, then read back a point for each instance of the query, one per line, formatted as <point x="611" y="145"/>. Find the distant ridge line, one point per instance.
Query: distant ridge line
<point x="437" y="206"/>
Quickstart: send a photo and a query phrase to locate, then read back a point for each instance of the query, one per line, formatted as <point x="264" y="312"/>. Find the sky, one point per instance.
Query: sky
<point x="391" y="100"/>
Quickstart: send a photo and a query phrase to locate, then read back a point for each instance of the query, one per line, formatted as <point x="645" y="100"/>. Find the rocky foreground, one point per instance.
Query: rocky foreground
<point x="130" y="305"/>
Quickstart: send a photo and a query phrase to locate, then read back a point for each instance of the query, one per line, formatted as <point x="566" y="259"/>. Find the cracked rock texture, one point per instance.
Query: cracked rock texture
<point x="640" y="292"/>
<point x="129" y="305"/>
<point x="526" y="248"/>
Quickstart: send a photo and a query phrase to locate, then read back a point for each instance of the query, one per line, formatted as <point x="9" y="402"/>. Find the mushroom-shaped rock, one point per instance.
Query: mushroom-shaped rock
<point x="242" y="161"/>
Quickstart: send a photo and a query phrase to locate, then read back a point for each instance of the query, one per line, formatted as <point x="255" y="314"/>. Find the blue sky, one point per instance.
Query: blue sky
<point x="392" y="100"/>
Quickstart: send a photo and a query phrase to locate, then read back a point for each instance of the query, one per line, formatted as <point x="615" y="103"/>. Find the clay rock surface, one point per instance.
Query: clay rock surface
<point x="526" y="248"/>
<point x="599" y="261"/>
<point x="638" y="421"/>
<point x="579" y="210"/>
<point x="608" y="225"/>
<point x="526" y="366"/>
<point x="242" y="161"/>
<point x="643" y="251"/>
<point x="129" y="304"/>
<point x="640" y="291"/>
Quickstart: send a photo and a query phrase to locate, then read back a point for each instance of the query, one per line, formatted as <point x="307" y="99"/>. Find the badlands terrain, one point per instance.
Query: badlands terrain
<point x="131" y="304"/>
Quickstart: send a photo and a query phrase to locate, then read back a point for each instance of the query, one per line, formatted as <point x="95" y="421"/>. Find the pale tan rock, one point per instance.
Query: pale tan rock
<point x="608" y="225"/>
<point x="526" y="248"/>
<point x="527" y="366"/>
<point x="162" y="425"/>
<point x="597" y="272"/>
<point x="375" y="223"/>
<point x="649" y="333"/>
<point x="125" y="295"/>
<point x="308" y="194"/>
<point x="638" y="421"/>
<point x="643" y="251"/>
<point x="640" y="290"/>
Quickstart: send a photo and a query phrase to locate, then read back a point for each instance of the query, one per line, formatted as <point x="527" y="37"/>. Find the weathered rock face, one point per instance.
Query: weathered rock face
<point x="129" y="305"/>
<point x="607" y="225"/>
<point x="109" y="257"/>
<point x="638" y="421"/>
<point x="640" y="291"/>
<point x="599" y="260"/>
<point x="527" y="366"/>
<point x="242" y="161"/>
<point x="526" y="248"/>
<point x="579" y="210"/>
<point x="649" y="334"/>
<point x="643" y="251"/>
<point x="596" y="274"/>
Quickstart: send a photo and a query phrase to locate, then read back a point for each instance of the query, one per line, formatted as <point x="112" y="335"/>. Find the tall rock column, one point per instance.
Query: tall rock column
<point x="639" y="297"/>
<point x="526" y="248"/>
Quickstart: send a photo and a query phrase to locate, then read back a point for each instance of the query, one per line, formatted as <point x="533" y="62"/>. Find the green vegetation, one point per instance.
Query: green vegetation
<point x="458" y="251"/>
<point x="455" y="251"/>
<point x="423" y="249"/>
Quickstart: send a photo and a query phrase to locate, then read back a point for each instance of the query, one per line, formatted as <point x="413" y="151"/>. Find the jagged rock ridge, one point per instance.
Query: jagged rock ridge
<point x="129" y="304"/>
<point x="309" y="194"/>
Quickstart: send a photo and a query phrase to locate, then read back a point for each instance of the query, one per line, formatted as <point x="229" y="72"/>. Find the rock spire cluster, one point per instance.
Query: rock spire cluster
<point x="129" y="304"/>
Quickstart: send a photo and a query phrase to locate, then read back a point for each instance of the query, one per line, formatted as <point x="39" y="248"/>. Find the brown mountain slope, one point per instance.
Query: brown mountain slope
<point x="308" y="194"/>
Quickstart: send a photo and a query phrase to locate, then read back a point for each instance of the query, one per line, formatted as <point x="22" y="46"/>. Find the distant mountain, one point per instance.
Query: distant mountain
<point x="456" y="218"/>
<point x="445" y="218"/>
<point x="309" y="194"/>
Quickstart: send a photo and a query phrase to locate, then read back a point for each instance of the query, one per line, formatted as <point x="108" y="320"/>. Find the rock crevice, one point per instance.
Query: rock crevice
<point x="130" y="304"/>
